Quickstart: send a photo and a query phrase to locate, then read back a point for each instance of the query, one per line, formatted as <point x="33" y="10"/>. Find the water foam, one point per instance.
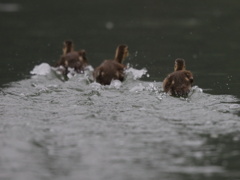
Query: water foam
<point x="135" y="73"/>
<point x="81" y="127"/>
<point x="41" y="69"/>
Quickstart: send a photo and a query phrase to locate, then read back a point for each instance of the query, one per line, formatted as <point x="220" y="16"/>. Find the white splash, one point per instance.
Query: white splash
<point x="88" y="72"/>
<point x="89" y="68"/>
<point x="42" y="69"/>
<point x="115" y="84"/>
<point x="96" y="86"/>
<point x="152" y="87"/>
<point x="135" y="73"/>
<point x="196" y="89"/>
<point x="71" y="73"/>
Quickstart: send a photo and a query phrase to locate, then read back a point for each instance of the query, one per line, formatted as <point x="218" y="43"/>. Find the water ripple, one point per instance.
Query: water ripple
<point x="52" y="129"/>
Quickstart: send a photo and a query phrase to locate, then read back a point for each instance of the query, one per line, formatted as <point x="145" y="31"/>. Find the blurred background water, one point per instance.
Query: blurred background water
<point x="76" y="130"/>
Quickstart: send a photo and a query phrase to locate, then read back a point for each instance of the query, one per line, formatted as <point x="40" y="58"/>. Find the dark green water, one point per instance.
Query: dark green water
<point x="74" y="130"/>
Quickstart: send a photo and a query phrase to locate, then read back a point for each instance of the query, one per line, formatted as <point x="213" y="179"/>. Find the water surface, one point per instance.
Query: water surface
<point x="78" y="129"/>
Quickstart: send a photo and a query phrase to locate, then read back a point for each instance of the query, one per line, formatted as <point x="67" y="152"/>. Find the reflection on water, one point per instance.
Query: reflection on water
<point x="78" y="129"/>
<point x="9" y="7"/>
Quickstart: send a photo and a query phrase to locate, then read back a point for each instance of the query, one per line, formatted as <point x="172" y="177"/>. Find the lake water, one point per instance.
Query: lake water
<point x="78" y="129"/>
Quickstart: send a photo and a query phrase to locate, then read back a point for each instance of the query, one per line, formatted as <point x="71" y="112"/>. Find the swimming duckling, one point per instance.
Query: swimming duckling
<point x="68" y="47"/>
<point x="112" y="69"/>
<point x="179" y="82"/>
<point x="72" y="59"/>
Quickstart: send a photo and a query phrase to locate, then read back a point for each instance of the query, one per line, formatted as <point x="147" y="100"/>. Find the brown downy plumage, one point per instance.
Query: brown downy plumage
<point x="112" y="69"/>
<point x="72" y="59"/>
<point x="179" y="82"/>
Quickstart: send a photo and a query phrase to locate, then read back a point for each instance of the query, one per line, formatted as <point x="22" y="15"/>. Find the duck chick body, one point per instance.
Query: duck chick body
<point x="112" y="69"/>
<point x="72" y="59"/>
<point x="179" y="82"/>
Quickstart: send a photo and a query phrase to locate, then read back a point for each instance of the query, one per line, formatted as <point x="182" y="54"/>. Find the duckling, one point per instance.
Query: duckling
<point x="112" y="69"/>
<point x="76" y="60"/>
<point x="68" y="47"/>
<point x="72" y="59"/>
<point x="179" y="82"/>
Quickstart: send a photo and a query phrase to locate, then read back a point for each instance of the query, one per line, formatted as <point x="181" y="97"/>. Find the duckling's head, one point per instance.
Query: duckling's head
<point x="67" y="46"/>
<point x="121" y="53"/>
<point x="82" y="55"/>
<point x="179" y="64"/>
